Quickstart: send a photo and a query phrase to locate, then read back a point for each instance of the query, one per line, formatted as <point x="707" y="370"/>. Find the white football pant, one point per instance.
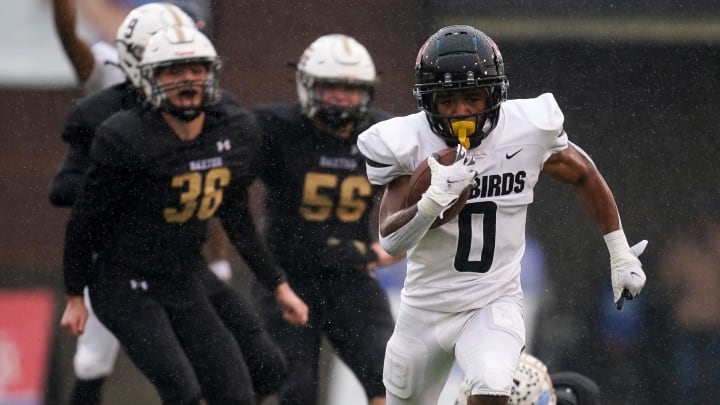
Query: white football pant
<point x="97" y="348"/>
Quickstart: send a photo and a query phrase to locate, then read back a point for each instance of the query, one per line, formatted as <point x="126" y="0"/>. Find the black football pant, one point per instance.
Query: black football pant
<point x="352" y="311"/>
<point x="263" y="356"/>
<point x="172" y="333"/>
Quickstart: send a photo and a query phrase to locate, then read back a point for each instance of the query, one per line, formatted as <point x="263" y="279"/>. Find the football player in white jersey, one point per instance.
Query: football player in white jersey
<point x="462" y="298"/>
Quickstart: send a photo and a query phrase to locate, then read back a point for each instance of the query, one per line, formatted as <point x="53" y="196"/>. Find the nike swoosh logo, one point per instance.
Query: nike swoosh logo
<point x="513" y="155"/>
<point x="632" y="273"/>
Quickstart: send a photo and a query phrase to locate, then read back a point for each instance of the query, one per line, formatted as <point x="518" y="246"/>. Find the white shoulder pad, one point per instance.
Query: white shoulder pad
<point x="541" y="116"/>
<point x="380" y="161"/>
<point x="394" y="147"/>
<point x="544" y="112"/>
<point x="534" y="120"/>
<point x="551" y="119"/>
<point x="106" y="71"/>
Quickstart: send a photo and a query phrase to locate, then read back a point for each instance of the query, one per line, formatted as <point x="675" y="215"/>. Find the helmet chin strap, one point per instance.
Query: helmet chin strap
<point x="184" y="114"/>
<point x="335" y="118"/>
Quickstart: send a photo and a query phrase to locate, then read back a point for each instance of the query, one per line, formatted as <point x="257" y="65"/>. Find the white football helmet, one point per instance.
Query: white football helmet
<point x="178" y="45"/>
<point x="335" y="58"/>
<point x="136" y="29"/>
<point x="531" y="384"/>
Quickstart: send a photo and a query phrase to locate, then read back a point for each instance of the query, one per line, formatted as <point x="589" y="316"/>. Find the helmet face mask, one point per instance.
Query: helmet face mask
<point x="137" y="28"/>
<point x="176" y="47"/>
<point x="456" y="58"/>
<point x="337" y="103"/>
<point x="335" y="60"/>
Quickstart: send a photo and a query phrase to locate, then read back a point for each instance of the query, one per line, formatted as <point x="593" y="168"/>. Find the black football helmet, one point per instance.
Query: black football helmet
<point x="460" y="57"/>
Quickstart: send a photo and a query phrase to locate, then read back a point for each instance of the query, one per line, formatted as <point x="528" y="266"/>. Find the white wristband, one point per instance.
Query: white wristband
<point x="407" y="236"/>
<point x="619" y="248"/>
<point x="428" y="207"/>
<point x="617" y="243"/>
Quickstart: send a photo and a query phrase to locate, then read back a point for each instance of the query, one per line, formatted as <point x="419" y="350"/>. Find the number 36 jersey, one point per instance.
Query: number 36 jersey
<point x="148" y="194"/>
<point x="475" y="258"/>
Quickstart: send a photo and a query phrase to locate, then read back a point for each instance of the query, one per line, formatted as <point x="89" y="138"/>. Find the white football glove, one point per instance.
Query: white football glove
<point x="628" y="277"/>
<point x="448" y="182"/>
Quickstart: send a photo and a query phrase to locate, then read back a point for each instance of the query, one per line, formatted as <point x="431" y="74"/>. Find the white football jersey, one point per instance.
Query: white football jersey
<point x="106" y="70"/>
<point x="475" y="258"/>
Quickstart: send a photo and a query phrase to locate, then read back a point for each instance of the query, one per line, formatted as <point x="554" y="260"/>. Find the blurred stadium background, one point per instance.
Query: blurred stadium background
<point x="637" y="82"/>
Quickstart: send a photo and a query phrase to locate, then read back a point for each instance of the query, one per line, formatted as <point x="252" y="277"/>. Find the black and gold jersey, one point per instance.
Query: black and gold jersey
<point x="148" y="194"/>
<point x="318" y="199"/>
<point x="81" y="122"/>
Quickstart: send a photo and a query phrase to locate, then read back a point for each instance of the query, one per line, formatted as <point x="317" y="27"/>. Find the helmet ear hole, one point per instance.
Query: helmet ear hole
<point x="442" y="65"/>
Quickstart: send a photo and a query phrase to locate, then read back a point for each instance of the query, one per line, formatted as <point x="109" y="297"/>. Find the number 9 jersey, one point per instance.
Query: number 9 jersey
<point x="474" y="258"/>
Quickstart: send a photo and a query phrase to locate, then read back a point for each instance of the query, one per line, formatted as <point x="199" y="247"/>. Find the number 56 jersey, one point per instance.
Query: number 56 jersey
<point x="473" y="259"/>
<point x="317" y="192"/>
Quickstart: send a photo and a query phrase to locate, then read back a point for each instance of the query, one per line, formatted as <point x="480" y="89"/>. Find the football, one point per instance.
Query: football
<point x="420" y="181"/>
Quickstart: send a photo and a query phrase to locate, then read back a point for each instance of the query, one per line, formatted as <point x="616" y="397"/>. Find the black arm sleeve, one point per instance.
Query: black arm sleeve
<point x="67" y="183"/>
<point x="78" y="133"/>
<point x="95" y="211"/>
<point x="89" y="226"/>
<point x="77" y="254"/>
<point x="238" y="223"/>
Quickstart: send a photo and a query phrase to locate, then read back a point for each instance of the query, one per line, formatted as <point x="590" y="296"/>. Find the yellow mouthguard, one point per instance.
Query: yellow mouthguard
<point x="463" y="129"/>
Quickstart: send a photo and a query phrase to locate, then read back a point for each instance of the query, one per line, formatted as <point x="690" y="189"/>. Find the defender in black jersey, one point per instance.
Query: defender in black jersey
<point x="318" y="217"/>
<point x="97" y="349"/>
<point x="156" y="176"/>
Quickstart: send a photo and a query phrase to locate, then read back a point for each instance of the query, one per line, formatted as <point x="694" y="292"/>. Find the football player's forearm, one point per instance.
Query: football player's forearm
<point x="598" y="202"/>
<point x="404" y="230"/>
<point x="77" y="50"/>
<point x="96" y="203"/>
<point x="77" y="256"/>
<point x="247" y="241"/>
<point x="263" y="265"/>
